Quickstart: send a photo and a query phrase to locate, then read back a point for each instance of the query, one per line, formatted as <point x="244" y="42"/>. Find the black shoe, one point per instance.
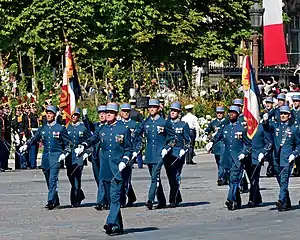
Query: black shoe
<point x="172" y="205"/>
<point x="279" y="205"/>
<point x="192" y="163"/>
<point x="51" y="206"/>
<point x="98" y="207"/>
<point x="161" y="206"/>
<point x="229" y="205"/>
<point x="108" y="229"/>
<point x="149" y="205"/>
<point x="47" y="205"/>
<point x="129" y="204"/>
<point x="2" y="170"/>
<point x="106" y="207"/>
<point x="8" y="169"/>
<point x="116" y="230"/>
<point x="220" y="182"/>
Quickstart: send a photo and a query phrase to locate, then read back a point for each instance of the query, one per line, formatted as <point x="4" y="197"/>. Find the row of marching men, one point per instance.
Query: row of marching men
<point x="276" y="140"/>
<point x="114" y="145"/>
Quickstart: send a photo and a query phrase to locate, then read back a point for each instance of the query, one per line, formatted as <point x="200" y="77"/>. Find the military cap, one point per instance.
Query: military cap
<point x="220" y="109"/>
<point x="269" y="100"/>
<point x="190" y="106"/>
<point x="296" y="98"/>
<point x="234" y="108"/>
<point x="176" y="106"/>
<point x="112" y="107"/>
<point x="125" y="106"/>
<point x="101" y="108"/>
<point x="77" y="111"/>
<point x="238" y="102"/>
<point x="154" y="102"/>
<point x="285" y="109"/>
<point x="51" y="108"/>
<point x="281" y="97"/>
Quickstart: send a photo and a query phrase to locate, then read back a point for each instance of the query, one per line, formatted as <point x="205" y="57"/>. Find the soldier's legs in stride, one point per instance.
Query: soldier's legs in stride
<point x="220" y="180"/>
<point x="254" y="197"/>
<point x="96" y="170"/>
<point x="74" y="173"/>
<point x="127" y="189"/>
<point x="233" y="198"/>
<point x="32" y="155"/>
<point x="140" y="160"/>
<point x="156" y="186"/>
<point x="283" y="175"/>
<point x="114" y="223"/>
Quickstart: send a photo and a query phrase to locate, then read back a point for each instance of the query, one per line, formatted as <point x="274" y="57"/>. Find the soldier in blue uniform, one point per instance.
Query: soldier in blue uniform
<point x="115" y="150"/>
<point x="240" y="103"/>
<point x="57" y="146"/>
<point x="218" y="147"/>
<point x="237" y="148"/>
<point x="78" y="133"/>
<point x="160" y="139"/>
<point x="127" y="189"/>
<point x="176" y="158"/>
<point x="261" y="146"/>
<point x="286" y="143"/>
<point x="275" y="114"/>
<point x="295" y="113"/>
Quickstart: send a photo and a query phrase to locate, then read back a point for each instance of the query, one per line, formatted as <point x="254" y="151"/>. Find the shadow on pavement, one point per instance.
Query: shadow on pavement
<point x="139" y="230"/>
<point x="83" y="205"/>
<point x="193" y="204"/>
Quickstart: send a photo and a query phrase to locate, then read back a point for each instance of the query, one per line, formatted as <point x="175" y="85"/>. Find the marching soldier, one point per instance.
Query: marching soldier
<point x="160" y="139"/>
<point x="275" y="114"/>
<point x="240" y="103"/>
<point x="295" y="113"/>
<point x="237" y="148"/>
<point x="175" y="159"/>
<point x="218" y="147"/>
<point x="57" y="146"/>
<point x="286" y="143"/>
<point x="116" y="150"/>
<point x="192" y="121"/>
<point x="78" y="133"/>
<point x="127" y="189"/>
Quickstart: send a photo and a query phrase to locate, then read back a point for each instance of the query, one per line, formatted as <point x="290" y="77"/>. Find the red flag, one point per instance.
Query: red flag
<point x="251" y="96"/>
<point x="274" y="40"/>
<point x="67" y="99"/>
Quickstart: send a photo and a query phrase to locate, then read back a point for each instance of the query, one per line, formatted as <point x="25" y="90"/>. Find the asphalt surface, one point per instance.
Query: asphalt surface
<point x="202" y="215"/>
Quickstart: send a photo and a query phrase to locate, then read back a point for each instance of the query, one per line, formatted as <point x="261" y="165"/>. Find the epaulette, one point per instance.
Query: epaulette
<point x="20" y="119"/>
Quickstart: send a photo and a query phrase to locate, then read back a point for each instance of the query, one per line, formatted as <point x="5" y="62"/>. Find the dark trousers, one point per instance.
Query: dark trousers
<point x="236" y="174"/>
<point x="127" y="189"/>
<point x="283" y="177"/>
<point x="1" y="155"/>
<point x="190" y="155"/>
<point x="96" y="169"/>
<point x="5" y="154"/>
<point x="156" y="186"/>
<point x="51" y="176"/>
<point x="103" y="195"/>
<point x="32" y="155"/>
<point x="220" y="167"/>
<point x="114" y="217"/>
<point x="74" y="173"/>
<point x="255" y="195"/>
<point x="174" y="177"/>
<point x="270" y="169"/>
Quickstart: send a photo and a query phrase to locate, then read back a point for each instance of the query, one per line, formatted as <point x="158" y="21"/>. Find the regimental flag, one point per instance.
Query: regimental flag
<point x="274" y="40"/>
<point x="70" y="87"/>
<point x="251" y="98"/>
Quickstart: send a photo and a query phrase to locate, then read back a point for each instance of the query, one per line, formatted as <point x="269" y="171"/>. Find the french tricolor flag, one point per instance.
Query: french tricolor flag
<point x="251" y="96"/>
<point x="274" y="41"/>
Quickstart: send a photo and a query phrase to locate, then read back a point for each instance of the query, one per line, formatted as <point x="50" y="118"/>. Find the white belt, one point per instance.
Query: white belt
<point x="34" y="129"/>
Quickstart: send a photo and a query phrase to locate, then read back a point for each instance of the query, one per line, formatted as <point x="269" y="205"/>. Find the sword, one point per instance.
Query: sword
<point x="179" y="157"/>
<point x="127" y="164"/>
<point x="254" y="171"/>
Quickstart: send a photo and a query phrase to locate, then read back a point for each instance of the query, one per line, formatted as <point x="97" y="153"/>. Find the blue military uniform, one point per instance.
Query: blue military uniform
<point x="218" y="147"/>
<point x="174" y="162"/>
<point x="115" y="147"/>
<point x="56" y="142"/>
<point x="159" y="135"/>
<point x="295" y="118"/>
<point x="127" y="189"/>
<point x="236" y="142"/>
<point x="286" y="142"/>
<point x="261" y="143"/>
<point x="78" y="134"/>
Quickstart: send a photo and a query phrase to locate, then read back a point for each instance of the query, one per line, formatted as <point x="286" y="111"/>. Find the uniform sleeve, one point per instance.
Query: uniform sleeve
<point x="95" y="138"/>
<point x="209" y="129"/>
<point x="296" y="152"/>
<point x="88" y="124"/>
<point x="36" y="138"/>
<point x="268" y="143"/>
<point x="219" y="135"/>
<point x="137" y="141"/>
<point x="247" y="144"/>
<point x="127" y="147"/>
<point x="170" y="136"/>
<point x="66" y="141"/>
<point x="186" y="136"/>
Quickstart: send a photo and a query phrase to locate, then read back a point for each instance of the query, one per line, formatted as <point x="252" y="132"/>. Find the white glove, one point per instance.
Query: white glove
<point x="260" y="157"/>
<point x="84" y="112"/>
<point x="204" y="138"/>
<point x="291" y="158"/>
<point x="181" y="153"/>
<point x="164" y="152"/>
<point x="85" y="156"/>
<point x="23" y="148"/>
<point x="209" y="146"/>
<point x="62" y="157"/>
<point x="122" y="165"/>
<point x="17" y="140"/>
<point x="134" y="154"/>
<point x="241" y="156"/>
<point x="79" y="150"/>
<point x="266" y="116"/>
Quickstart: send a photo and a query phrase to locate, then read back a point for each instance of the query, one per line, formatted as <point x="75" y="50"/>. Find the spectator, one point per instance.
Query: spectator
<point x="269" y="85"/>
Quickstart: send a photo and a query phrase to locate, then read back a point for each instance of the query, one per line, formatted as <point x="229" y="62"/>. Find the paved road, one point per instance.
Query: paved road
<point x="201" y="216"/>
